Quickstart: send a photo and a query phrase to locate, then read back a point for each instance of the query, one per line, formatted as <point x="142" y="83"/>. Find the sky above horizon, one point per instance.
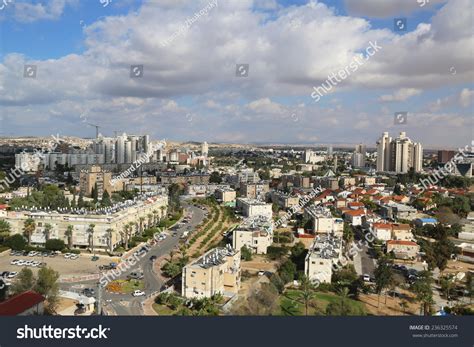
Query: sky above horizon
<point x="190" y="89"/>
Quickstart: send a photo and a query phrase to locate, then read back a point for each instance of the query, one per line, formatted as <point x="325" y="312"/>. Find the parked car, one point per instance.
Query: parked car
<point x="366" y="277"/>
<point x="74" y="257"/>
<point x="21" y="262"/>
<point x="67" y="255"/>
<point x="12" y="274"/>
<point x="4" y="274"/>
<point x="153" y="258"/>
<point x="95" y="258"/>
<point x="135" y="275"/>
<point x="14" y="262"/>
<point x="138" y="293"/>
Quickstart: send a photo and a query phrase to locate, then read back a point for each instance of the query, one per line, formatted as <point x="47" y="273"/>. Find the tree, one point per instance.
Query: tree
<point x="423" y="290"/>
<point x="447" y="283"/>
<point x="141" y="219"/>
<point x="287" y="271"/>
<point x="4" y="229"/>
<point x="109" y="239"/>
<point x="55" y="245"/>
<point x="215" y="177"/>
<point x="106" y="202"/>
<point x="306" y="293"/>
<point x="263" y="301"/>
<point x="383" y="276"/>
<point x="24" y="282"/>
<point x="245" y="253"/>
<point x="69" y="234"/>
<point x="47" y="231"/>
<point x="16" y="242"/>
<point x="80" y="200"/>
<point x="90" y="230"/>
<point x="28" y="229"/>
<point x="47" y="285"/>
<point x="469" y="285"/>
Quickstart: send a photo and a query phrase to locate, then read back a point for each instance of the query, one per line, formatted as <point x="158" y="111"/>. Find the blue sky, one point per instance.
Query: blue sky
<point x="83" y="52"/>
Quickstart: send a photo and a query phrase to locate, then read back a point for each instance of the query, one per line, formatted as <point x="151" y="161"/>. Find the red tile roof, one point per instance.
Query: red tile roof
<point x="20" y="303"/>
<point x="355" y="213"/>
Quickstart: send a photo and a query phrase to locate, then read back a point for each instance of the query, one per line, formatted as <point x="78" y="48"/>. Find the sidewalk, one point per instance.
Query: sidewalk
<point x="147" y="307"/>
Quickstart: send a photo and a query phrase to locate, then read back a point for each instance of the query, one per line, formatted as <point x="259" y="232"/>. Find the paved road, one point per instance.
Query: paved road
<point x="124" y="305"/>
<point x="366" y="262"/>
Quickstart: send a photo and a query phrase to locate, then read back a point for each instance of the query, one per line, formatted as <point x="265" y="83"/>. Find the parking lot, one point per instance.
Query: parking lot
<point x="81" y="266"/>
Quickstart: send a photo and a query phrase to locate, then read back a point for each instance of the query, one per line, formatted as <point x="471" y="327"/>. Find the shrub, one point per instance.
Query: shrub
<point x="55" y="245"/>
<point x="16" y="242"/>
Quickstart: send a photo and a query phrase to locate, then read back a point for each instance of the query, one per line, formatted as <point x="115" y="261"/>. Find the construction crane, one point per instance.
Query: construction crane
<point x="96" y="129"/>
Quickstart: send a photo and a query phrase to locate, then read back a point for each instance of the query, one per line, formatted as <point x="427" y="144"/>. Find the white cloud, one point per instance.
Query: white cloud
<point x="466" y="96"/>
<point x="27" y="12"/>
<point x="400" y="95"/>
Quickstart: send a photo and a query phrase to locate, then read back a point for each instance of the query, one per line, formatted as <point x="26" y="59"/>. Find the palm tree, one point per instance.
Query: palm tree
<point x="306" y="293"/>
<point x="344" y="294"/>
<point x="155" y="218"/>
<point x="28" y="229"/>
<point x="141" y="219"/>
<point x="47" y="231"/>
<point x="109" y="239"/>
<point x="91" y="237"/>
<point x="69" y="234"/>
<point x="150" y="216"/>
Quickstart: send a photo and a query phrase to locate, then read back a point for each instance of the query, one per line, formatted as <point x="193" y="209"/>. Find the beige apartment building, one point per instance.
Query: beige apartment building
<point x="225" y="194"/>
<point x="215" y="272"/>
<point x="255" y="233"/>
<point x="254" y="190"/>
<point x="252" y="207"/>
<point x="108" y="224"/>
<point x="88" y="179"/>
<point x="325" y="251"/>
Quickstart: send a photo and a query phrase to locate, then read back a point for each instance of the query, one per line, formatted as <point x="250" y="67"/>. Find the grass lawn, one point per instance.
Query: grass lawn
<point x="127" y="286"/>
<point x="290" y="304"/>
<point x="163" y="310"/>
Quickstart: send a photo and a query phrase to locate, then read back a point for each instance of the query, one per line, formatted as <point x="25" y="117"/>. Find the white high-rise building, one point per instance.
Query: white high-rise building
<point x="399" y="154"/>
<point x="204" y="149"/>
<point x="358" y="158"/>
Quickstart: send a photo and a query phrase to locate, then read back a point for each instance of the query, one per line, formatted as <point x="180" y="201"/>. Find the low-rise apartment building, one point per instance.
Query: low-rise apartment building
<point x="325" y="251"/>
<point x="225" y="195"/>
<point x="254" y="190"/>
<point x="215" y="272"/>
<point x="253" y="207"/>
<point x="284" y="200"/>
<point x="403" y="249"/>
<point x="108" y="223"/>
<point x="255" y="233"/>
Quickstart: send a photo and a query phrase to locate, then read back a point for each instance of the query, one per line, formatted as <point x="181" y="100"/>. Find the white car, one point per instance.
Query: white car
<point x="74" y="257"/>
<point x="35" y="263"/>
<point x="14" y="262"/>
<point x="366" y="278"/>
<point x="29" y="263"/>
<point x="138" y="293"/>
<point x="67" y="255"/>
<point x="21" y="262"/>
<point x="32" y="253"/>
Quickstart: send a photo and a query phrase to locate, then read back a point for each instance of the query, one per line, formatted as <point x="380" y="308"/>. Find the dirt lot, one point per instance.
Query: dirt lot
<point x="259" y="263"/>
<point x="390" y="306"/>
<point x="81" y="266"/>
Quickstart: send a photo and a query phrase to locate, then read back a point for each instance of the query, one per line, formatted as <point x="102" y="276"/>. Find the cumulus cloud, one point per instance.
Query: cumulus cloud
<point x="400" y="95"/>
<point x="27" y="12"/>
<point x="199" y="69"/>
